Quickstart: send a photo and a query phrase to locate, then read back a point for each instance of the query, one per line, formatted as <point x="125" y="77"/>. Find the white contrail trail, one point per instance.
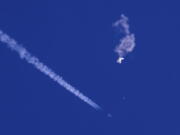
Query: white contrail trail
<point x="24" y="54"/>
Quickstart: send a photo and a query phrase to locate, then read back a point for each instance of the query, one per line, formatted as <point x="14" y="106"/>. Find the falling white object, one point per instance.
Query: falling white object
<point x="109" y="115"/>
<point x="120" y="60"/>
<point x="24" y="54"/>
<point x="127" y="43"/>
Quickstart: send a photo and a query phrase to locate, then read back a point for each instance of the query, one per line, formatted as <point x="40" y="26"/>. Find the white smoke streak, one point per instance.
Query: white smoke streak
<point x="24" y="54"/>
<point x="127" y="43"/>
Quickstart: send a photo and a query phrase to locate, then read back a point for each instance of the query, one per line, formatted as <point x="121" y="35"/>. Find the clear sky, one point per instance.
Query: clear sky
<point x="76" y="40"/>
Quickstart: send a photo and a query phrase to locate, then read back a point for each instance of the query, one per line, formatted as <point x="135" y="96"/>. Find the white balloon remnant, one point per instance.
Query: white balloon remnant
<point x="127" y="43"/>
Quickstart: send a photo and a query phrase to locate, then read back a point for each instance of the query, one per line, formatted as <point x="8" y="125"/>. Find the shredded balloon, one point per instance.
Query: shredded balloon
<point x="127" y="42"/>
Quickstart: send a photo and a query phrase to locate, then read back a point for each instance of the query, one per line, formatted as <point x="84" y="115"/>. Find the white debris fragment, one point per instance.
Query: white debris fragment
<point x="120" y="60"/>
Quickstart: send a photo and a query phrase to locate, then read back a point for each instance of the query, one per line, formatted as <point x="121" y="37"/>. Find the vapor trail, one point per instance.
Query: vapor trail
<point x="24" y="54"/>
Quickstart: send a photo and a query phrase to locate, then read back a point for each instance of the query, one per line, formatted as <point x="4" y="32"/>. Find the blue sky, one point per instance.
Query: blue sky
<point x="76" y="40"/>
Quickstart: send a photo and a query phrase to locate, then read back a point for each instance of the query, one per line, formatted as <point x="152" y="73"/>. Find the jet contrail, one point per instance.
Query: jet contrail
<point x="24" y="54"/>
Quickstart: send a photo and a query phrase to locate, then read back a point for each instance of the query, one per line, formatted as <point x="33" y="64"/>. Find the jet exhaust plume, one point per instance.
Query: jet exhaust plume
<point x="28" y="57"/>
